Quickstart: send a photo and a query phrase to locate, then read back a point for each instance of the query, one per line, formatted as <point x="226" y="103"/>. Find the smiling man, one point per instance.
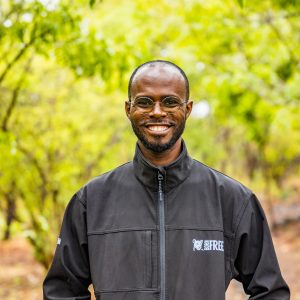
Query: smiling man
<point x="163" y="226"/>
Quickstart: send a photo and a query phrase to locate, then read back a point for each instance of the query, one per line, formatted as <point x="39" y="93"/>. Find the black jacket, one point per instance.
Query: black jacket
<point x="179" y="232"/>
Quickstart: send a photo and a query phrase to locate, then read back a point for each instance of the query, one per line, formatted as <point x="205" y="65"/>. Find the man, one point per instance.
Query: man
<point x="163" y="226"/>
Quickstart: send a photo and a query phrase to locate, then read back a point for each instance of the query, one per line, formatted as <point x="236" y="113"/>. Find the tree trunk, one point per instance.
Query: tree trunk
<point x="10" y="214"/>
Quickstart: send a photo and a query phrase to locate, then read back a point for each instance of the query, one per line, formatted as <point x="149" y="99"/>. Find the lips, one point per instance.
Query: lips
<point x="158" y="128"/>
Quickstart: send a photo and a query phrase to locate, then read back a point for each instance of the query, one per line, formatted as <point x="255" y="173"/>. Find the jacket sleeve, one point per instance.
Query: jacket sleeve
<point x="255" y="263"/>
<point x="69" y="275"/>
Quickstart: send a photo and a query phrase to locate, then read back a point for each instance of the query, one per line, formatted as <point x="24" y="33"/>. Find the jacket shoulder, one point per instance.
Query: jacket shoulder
<point x="108" y="179"/>
<point x="233" y="195"/>
<point x="222" y="180"/>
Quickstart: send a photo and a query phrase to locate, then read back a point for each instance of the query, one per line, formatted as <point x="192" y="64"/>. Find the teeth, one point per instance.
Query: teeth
<point x="158" y="128"/>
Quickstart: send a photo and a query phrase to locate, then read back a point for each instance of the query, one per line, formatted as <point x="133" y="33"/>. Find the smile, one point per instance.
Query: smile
<point x="158" y="128"/>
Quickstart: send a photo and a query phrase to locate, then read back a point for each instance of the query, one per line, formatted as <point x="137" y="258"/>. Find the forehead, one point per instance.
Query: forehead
<point x="163" y="79"/>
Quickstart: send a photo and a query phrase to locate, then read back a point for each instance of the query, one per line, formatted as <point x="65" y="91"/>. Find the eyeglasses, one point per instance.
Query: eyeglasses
<point x="169" y="103"/>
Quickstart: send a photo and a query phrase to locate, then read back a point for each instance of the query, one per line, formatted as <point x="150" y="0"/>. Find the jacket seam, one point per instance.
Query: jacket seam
<point x="82" y="203"/>
<point x="142" y="290"/>
<point x="239" y="218"/>
<point x="109" y="171"/>
<point x="102" y="232"/>
<point x="240" y="214"/>
<point x="219" y="172"/>
<point x="170" y="227"/>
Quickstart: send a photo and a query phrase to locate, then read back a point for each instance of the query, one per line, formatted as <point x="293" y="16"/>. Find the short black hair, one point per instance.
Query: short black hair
<point x="163" y="62"/>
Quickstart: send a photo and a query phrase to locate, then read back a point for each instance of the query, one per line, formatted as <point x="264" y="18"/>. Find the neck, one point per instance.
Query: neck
<point x="164" y="158"/>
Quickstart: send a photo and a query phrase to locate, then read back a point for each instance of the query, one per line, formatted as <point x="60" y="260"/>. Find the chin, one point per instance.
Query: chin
<point x="158" y="147"/>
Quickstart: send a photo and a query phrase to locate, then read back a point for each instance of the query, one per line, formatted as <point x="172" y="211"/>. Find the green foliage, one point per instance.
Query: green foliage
<point x="64" y="69"/>
<point x="241" y="2"/>
<point x="92" y="2"/>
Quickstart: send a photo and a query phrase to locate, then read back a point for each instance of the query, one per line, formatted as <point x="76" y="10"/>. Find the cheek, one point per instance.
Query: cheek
<point x="138" y="117"/>
<point x="180" y="116"/>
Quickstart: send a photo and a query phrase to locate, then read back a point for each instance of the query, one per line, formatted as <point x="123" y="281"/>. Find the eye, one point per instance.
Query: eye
<point x="143" y="102"/>
<point x="171" y="102"/>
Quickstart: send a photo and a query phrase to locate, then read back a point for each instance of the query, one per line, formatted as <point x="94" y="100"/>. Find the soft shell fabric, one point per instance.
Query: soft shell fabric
<point x="215" y="230"/>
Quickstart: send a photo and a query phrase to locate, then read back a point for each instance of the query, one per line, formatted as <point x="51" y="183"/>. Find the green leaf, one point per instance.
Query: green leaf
<point x="92" y="2"/>
<point x="241" y="3"/>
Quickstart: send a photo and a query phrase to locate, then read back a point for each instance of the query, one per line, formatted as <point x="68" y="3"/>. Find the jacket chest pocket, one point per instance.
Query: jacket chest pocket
<point x="122" y="260"/>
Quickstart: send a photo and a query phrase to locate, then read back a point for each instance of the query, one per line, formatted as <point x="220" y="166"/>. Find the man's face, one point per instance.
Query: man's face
<point x="158" y="130"/>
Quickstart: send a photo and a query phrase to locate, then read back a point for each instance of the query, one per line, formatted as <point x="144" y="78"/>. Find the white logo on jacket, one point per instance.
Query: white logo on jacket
<point x="208" y="245"/>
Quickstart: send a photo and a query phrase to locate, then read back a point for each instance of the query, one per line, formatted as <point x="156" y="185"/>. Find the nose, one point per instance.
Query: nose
<point x="157" y="111"/>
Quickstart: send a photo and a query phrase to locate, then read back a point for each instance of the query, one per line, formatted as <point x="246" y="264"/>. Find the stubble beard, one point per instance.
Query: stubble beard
<point x="157" y="146"/>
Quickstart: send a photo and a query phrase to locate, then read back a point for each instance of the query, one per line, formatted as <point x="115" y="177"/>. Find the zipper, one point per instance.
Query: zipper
<point x="162" y="237"/>
<point x="148" y="255"/>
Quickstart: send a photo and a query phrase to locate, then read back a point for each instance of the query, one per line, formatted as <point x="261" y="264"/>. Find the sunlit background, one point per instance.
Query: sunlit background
<point x="64" y="69"/>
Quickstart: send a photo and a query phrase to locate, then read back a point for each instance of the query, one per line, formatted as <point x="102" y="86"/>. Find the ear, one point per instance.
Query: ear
<point x="189" y="107"/>
<point x="127" y="108"/>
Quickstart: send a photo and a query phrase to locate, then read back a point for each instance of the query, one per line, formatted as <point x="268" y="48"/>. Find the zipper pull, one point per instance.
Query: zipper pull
<point x="160" y="177"/>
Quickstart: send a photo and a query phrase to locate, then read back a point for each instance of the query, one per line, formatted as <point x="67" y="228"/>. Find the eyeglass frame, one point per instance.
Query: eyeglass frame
<point x="164" y="108"/>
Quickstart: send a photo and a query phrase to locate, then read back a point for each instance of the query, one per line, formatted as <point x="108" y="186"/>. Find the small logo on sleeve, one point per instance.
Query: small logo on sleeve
<point x="208" y="245"/>
<point x="58" y="241"/>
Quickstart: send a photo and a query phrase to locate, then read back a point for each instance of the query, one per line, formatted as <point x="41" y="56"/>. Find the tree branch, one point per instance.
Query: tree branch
<point x="284" y="42"/>
<point x="40" y="170"/>
<point x="14" y="98"/>
<point x="11" y="106"/>
<point x="22" y="51"/>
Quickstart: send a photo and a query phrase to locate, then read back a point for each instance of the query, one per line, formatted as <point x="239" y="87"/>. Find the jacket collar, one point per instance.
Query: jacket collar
<point x="174" y="173"/>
